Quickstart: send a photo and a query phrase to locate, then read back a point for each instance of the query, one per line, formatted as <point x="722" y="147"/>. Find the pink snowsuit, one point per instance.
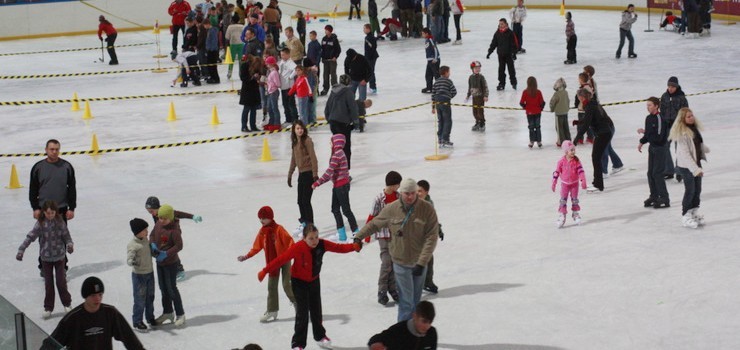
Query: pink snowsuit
<point x="569" y="172"/>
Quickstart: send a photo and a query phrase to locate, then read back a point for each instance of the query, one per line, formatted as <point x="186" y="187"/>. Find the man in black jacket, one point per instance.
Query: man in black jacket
<point x="330" y="51"/>
<point x="656" y="133"/>
<point x="358" y="69"/>
<point x="505" y="41"/>
<point x="415" y="333"/>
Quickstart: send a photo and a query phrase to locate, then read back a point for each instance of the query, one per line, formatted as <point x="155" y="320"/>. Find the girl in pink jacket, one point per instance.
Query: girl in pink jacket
<point x="273" y="92"/>
<point x="570" y="172"/>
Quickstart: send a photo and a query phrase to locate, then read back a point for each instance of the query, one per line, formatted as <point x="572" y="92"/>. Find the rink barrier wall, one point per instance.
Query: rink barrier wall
<point x="197" y="142"/>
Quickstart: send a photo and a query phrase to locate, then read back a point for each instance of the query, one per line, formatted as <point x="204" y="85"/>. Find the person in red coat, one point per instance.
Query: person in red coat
<point x="179" y="10"/>
<point x="110" y="38"/>
<point x="533" y="103"/>
<point x="307" y="256"/>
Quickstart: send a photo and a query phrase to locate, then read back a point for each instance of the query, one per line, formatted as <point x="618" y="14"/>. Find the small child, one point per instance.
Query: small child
<point x="560" y="103"/>
<point x="310" y="70"/>
<point x="185" y="60"/>
<point x="423" y="192"/>
<point x="152" y="207"/>
<point x="362" y="107"/>
<point x="391" y="28"/>
<point x="571" y="39"/>
<point x="386" y="280"/>
<point x="304" y="94"/>
<point x="139" y="257"/>
<point x="212" y="47"/>
<point x="166" y="242"/>
<point x="443" y="91"/>
<point x="275" y="240"/>
<point x="533" y="103"/>
<point x="478" y="90"/>
<point x="338" y="173"/>
<point x="414" y="333"/>
<point x="307" y="256"/>
<point x="273" y="92"/>
<point x="570" y="171"/>
<point x="583" y="81"/>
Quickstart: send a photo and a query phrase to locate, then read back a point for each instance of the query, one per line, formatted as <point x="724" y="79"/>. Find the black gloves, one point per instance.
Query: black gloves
<point x="513" y="57"/>
<point x="418" y="269"/>
<point x="441" y="234"/>
<point x="310" y="99"/>
<point x="488" y="56"/>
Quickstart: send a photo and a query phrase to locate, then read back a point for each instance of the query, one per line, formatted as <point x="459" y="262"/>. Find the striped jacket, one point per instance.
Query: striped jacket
<point x="378" y="204"/>
<point x="338" y="170"/>
<point x="443" y="90"/>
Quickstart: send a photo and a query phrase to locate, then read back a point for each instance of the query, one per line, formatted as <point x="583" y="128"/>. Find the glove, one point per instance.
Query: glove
<point x="290" y="181"/>
<point x="197" y="218"/>
<point x="358" y="244"/>
<point x="513" y="57"/>
<point x="441" y="234"/>
<point x="241" y="258"/>
<point x="488" y="57"/>
<point x="575" y="122"/>
<point x="19" y="256"/>
<point x="70" y="249"/>
<point x="418" y="269"/>
<point x="161" y="256"/>
<point x="261" y="275"/>
<point x="155" y="251"/>
<point x="310" y="99"/>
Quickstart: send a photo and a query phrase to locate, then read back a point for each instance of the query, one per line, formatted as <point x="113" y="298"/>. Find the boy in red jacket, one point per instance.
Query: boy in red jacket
<point x="307" y="256"/>
<point x="275" y="240"/>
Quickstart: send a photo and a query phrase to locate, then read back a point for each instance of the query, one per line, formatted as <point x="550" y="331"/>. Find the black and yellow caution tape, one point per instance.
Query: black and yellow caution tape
<point x="114" y="98"/>
<point x="84" y="74"/>
<point x="68" y="50"/>
<point x="197" y="142"/>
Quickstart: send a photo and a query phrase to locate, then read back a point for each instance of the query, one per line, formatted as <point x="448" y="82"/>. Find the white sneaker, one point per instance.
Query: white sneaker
<point x="180" y="321"/>
<point x="577" y="217"/>
<point x="46" y="315"/>
<point x="688" y="221"/>
<point x="324" y="343"/>
<point x="67" y="309"/>
<point x="269" y="316"/>
<point x="561" y="220"/>
<point x="616" y="170"/>
<point x="697" y="217"/>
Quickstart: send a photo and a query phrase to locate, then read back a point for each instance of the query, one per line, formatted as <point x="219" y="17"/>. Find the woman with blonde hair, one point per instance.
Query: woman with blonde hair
<point x="690" y="150"/>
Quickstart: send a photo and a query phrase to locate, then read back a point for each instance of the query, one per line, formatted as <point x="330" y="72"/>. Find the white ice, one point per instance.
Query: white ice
<point x="627" y="278"/>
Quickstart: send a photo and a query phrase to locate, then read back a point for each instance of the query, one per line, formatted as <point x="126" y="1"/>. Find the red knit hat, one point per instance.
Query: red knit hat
<point x="265" y="213"/>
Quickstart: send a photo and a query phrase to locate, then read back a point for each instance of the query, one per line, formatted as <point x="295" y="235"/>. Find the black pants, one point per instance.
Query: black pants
<point x="373" y="84"/>
<point x="330" y="72"/>
<point x="291" y="111"/>
<point x="175" y="33"/>
<point x="506" y="61"/>
<point x="572" y="41"/>
<point x="535" y="131"/>
<point x="63" y="213"/>
<point x="517" y="28"/>
<point x="692" y="190"/>
<point x="622" y="35"/>
<point x="656" y="168"/>
<point x="194" y="70"/>
<point x="431" y="73"/>
<point x="308" y="303"/>
<point x="346" y="130"/>
<point x="600" y="143"/>
<point x="457" y="26"/>
<point x="110" y="41"/>
<point x="354" y="7"/>
<point x="167" y="280"/>
<point x="212" y="59"/>
<point x="305" y="192"/>
<point x="340" y="204"/>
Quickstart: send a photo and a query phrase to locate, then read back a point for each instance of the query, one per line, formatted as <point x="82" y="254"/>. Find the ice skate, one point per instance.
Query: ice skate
<point x="341" y="234"/>
<point x="426" y="91"/>
<point x="482" y="127"/>
<point x="180" y="275"/>
<point x="431" y="288"/>
<point x="577" y="217"/>
<point x="593" y="189"/>
<point x="141" y="327"/>
<point x="476" y="127"/>
<point x="161" y="319"/>
<point x="269" y="316"/>
<point x="298" y="232"/>
<point x="383" y="298"/>
<point x="649" y="202"/>
<point x="539" y="144"/>
<point x="180" y="321"/>
<point x="531" y="144"/>
<point x="632" y="55"/>
<point x="661" y="203"/>
<point x="688" y="221"/>
<point x="457" y="42"/>
<point x="697" y="217"/>
<point x="500" y="88"/>
<point x="561" y="220"/>
<point x="324" y="343"/>
<point x="616" y="170"/>
<point x="67" y="309"/>
<point x="447" y="144"/>
<point x="46" y="315"/>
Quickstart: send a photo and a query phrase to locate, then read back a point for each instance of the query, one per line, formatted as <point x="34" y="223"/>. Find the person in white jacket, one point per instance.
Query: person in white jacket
<point x="690" y="151"/>
<point x="457" y="9"/>
<point x="518" y="14"/>
<point x="287" y="76"/>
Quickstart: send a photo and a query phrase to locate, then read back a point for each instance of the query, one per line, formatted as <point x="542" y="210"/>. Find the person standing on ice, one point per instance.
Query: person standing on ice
<point x="625" y="31"/>
<point x="518" y="14"/>
<point x="655" y="133"/>
<point x="595" y="117"/>
<point x="507" y="45"/>
<point x="690" y="151"/>
<point x="570" y="172"/>
<point x="110" y="38"/>
<point x="179" y="10"/>
<point x="670" y="103"/>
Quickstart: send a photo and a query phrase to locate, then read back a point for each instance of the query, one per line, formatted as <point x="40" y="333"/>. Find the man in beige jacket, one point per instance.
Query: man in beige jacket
<point x="294" y="44"/>
<point x="414" y="233"/>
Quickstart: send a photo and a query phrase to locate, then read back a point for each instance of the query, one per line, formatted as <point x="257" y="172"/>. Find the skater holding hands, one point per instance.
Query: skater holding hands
<point x="570" y="172"/>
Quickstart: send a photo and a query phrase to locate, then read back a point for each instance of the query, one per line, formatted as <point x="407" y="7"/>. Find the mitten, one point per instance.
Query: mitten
<point x="418" y="269"/>
<point x="197" y="218"/>
<point x="155" y="251"/>
<point x="19" y="256"/>
<point x="241" y="258"/>
<point x="261" y="275"/>
<point x="161" y="256"/>
<point x="358" y="244"/>
<point x="488" y="56"/>
<point x="70" y="249"/>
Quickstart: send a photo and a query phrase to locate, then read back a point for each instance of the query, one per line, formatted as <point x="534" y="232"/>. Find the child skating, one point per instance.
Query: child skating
<point x="443" y="91"/>
<point x="533" y="103"/>
<point x="478" y="90"/>
<point x="307" y="256"/>
<point x="560" y="104"/>
<point x="570" y="172"/>
<point x="139" y="257"/>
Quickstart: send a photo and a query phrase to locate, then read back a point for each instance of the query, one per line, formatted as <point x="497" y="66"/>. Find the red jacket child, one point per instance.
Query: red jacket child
<point x="532" y="104"/>
<point x="273" y="238"/>
<point x="301" y="87"/>
<point x="307" y="261"/>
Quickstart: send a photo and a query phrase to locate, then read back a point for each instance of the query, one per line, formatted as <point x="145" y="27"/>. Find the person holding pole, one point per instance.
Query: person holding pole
<point x="110" y="38"/>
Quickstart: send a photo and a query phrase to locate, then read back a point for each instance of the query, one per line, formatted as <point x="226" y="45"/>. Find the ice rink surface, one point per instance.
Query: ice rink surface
<point x="626" y="278"/>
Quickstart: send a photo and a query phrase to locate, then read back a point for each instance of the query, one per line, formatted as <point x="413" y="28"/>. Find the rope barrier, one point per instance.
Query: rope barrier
<point x="69" y="50"/>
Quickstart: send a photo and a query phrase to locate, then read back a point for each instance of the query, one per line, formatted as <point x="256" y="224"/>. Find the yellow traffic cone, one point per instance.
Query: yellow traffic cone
<point x="75" y="103"/>
<point x="87" y="115"/>
<point x="94" y="147"/>
<point x="14" y="183"/>
<point x="228" y="59"/>
<point x="171" y="117"/>
<point x="266" y="155"/>
<point x="562" y="7"/>
<point x="214" y="117"/>
<point x="179" y="79"/>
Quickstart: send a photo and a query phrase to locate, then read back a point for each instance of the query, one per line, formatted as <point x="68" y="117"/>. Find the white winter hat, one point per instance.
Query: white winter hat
<point x="408" y="185"/>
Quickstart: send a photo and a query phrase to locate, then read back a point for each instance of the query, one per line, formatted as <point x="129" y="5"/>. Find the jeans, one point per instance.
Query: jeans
<point x="431" y="73"/>
<point x="572" y="41"/>
<point x="457" y="27"/>
<point x="308" y="303"/>
<point x="517" y="28"/>
<point x="143" y="297"/>
<point x="610" y="153"/>
<point x="444" y="121"/>
<point x="535" y="131"/>
<point x="330" y="71"/>
<point x="291" y="112"/>
<point x="340" y="200"/>
<point x="273" y="304"/>
<point x="437" y="31"/>
<point x="303" y="108"/>
<point x="249" y="113"/>
<point x="601" y="142"/>
<point x="445" y="26"/>
<point x="626" y="34"/>
<point x="372" y="82"/>
<point x="409" y="289"/>
<point x="305" y="192"/>
<point x="167" y="279"/>
<point x="346" y="130"/>
<point x="669" y="169"/>
<point x="176" y="29"/>
<point x="504" y="62"/>
<point x="212" y="58"/>
<point x="692" y="189"/>
<point x="386" y="277"/>
<point x="656" y="181"/>
<point x="54" y="270"/>
<point x="272" y="107"/>
<point x="355" y="85"/>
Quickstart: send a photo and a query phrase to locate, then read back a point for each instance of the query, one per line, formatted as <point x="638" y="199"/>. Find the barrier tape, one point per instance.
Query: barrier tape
<point x="82" y="74"/>
<point x="114" y="98"/>
<point x="197" y="142"/>
<point x="68" y="50"/>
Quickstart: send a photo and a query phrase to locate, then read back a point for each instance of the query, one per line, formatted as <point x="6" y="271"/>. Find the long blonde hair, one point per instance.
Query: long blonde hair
<point x="680" y="128"/>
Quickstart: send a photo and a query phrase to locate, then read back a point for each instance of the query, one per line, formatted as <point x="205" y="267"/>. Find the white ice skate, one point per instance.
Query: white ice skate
<point x="561" y="220"/>
<point x="67" y="309"/>
<point x="593" y="189"/>
<point x="616" y="170"/>
<point x="324" y="343"/>
<point x="689" y="221"/>
<point x="46" y="315"/>
<point x="180" y="321"/>
<point x="697" y="217"/>
<point x="577" y="217"/>
<point x="298" y="232"/>
<point x="269" y="316"/>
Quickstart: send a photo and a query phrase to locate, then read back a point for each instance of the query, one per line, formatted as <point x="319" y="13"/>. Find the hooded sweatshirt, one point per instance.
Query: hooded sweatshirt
<point x="356" y="66"/>
<point x="337" y="171"/>
<point x="341" y="106"/>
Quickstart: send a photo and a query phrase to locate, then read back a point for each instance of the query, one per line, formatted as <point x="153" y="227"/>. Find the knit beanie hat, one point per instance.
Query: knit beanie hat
<point x="265" y="213"/>
<point x="673" y="81"/>
<point x="137" y="225"/>
<point x="152" y="203"/>
<point x="344" y="79"/>
<point x="408" y="185"/>
<point x="166" y="212"/>
<point x="392" y="178"/>
<point x="329" y="28"/>
<point x="92" y="285"/>
<point x="567" y="146"/>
